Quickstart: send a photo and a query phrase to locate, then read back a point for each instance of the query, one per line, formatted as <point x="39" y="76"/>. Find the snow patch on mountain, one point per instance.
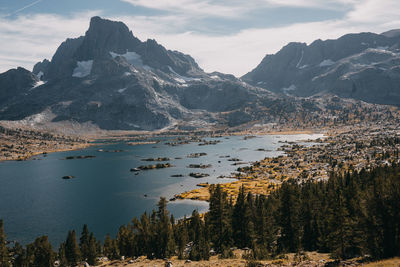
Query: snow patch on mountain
<point x="182" y="79"/>
<point x="132" y="58"/>
<point x="82" y="69"/>
<point x="37" y="84"/>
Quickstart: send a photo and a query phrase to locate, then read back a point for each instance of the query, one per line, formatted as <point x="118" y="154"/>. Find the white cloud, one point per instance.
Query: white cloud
<point x="195" y="7"/>
<point x="30" y="39"/>
<point x="241" y="52"/>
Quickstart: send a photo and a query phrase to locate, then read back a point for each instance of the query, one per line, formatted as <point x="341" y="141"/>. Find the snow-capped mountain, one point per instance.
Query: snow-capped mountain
<point x="114" y="80"/>
<point x="363" y="66"/>
<point x="110" y="79"/>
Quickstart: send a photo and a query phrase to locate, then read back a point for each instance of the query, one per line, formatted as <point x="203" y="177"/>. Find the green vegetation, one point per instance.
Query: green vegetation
<point x="348" y="216"/>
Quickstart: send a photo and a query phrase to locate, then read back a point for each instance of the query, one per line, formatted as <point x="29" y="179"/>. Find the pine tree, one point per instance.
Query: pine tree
<point x="84" y="242"/>
<point x="61" y="255"/>
<point x="165" y="235"/>
<point x="110" y="249"/>
<point x="144" y="235"/>
<point x="92" y="250"/>
<point x="291" y="227"/>
<point x="219" y="218"/>
<point x="242" y="223"/>
<point x="72" y="252"/>
<point x="43" y="254"/>
<point x="200" y="249"/>
<point x="182" y="238"/>
<point x="340" y="228"/>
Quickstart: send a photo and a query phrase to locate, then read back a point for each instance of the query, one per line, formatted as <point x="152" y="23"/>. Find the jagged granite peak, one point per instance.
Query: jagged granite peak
<point x="105" y="41"/>
<point x="104" y="36"/>
<point x="341" y="66"/>
<point x="112" y="79"/>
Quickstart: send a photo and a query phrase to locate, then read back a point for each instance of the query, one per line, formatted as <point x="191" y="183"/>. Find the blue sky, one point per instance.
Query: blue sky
<point x="229" y="36"/>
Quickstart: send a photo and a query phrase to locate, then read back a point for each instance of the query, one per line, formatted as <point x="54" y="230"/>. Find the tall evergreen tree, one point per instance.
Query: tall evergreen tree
<point x="92" y="250"/>
<point x="61" y="255"/>
<point x="110" y="249"/>
<point x="125" y="241"/>
<point x="42" y="253"/>
<point x="242" y="221"/>
<point x="218" y="217"/>
<point x="291" y="226"/>
<point x="84" y="242"/>
<point x="165" y="236"/>
<point x="182" y="237"/>
<point x="200" y="249"/>
<point x="72" y="251"/>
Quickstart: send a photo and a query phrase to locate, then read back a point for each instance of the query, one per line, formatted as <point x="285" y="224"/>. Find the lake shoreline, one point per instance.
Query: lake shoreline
<point x="107" y="178"/>
<point x="85" y="141"/>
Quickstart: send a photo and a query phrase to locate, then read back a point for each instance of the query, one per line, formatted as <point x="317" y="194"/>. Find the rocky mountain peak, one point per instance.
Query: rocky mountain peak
<point x="359" y="65"/>
<point x="104" y="36"/>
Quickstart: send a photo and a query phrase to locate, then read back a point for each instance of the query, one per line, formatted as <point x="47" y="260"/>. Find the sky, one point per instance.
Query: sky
<point x="229" y="36"/>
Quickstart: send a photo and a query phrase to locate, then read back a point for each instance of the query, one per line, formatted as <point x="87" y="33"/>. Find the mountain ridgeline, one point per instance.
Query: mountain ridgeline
<point x="115" y="81"/>
<point x="364" y="66"/>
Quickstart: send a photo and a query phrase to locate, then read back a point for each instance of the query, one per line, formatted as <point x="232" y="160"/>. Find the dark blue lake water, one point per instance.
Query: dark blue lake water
<point x="35" y="201"/>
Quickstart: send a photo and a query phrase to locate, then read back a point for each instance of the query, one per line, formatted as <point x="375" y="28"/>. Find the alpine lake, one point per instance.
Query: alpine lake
<point x="104" y="193"/>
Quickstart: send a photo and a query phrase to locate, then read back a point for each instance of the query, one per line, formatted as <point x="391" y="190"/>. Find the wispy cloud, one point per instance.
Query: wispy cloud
<point x="31" y="38"/>
<point x="325" y="4"/>
<point x="195" y="7"/>
<point x="233" y="8"/>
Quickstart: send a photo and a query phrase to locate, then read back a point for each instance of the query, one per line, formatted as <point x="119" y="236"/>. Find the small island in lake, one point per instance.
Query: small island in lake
<point x="67" y="177"/>
<point x="155" y="166"/>
<point x="156" y="159"/>
<point x="197" y="155"/>
<point x="198" y="174"/>
<point x="200" y="166"/>
<point x="80" y="157"/>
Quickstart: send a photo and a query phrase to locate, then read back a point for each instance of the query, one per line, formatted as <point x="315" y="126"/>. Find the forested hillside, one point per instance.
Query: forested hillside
<point x="350" y="215"/>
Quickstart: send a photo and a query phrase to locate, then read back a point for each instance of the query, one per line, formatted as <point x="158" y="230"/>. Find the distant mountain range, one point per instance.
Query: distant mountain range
<point x="364" y="66"/>
<point x="112" y="79"/>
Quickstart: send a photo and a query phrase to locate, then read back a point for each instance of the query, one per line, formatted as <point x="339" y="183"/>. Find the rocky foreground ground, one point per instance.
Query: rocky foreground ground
<point x="309" y="259"/>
